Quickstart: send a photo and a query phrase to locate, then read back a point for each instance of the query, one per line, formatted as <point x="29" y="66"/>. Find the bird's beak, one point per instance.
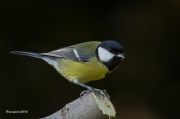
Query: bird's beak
<point x="120" y="55"/>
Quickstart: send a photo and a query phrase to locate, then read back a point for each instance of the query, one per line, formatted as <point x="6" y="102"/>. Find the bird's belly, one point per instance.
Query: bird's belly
<point x="82" y="71"/>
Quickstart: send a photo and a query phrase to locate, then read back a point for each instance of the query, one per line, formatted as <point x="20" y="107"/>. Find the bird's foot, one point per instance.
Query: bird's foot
<point x="96" y="92"/>
<point x="107" y="95"/>
<point x="84" y="92"/>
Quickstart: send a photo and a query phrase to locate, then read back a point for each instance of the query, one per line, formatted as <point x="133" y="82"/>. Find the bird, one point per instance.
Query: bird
<point x="83" y="62"/>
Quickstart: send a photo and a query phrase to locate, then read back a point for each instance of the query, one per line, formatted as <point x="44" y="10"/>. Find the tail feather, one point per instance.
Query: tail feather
<point x="36" y="55"/>
<point x="49" y="59"/>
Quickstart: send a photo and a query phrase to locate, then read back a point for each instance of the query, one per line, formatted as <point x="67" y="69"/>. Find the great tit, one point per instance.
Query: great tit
<point x="84" y="62"/>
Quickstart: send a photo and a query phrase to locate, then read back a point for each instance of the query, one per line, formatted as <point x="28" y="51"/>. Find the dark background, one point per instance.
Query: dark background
<point x="145" y="86"/>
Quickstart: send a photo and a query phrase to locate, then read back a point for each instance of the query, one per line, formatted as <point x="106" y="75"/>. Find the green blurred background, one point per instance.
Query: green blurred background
<point x="145" y="86"/>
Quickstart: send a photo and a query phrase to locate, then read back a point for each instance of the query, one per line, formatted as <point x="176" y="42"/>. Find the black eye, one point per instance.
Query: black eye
<point x="110" y="50"/>
<point x="121" y="51"/>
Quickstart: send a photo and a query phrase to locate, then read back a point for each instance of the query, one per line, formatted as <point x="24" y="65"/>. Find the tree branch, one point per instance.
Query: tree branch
<point x="88" y="106"/>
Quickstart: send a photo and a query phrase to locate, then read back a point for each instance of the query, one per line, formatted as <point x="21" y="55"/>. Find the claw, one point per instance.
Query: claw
<point x="107" y="95"/>
<point x="84" y="92"/>
<point x="98" y="93"/>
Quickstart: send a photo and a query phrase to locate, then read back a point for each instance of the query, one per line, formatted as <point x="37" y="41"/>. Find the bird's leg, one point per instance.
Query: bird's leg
<point x="91" y="89"/>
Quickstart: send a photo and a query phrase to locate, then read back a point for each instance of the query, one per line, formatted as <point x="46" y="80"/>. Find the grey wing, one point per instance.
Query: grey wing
<point x="69" y="53"/>
<point x="81" y="52"/>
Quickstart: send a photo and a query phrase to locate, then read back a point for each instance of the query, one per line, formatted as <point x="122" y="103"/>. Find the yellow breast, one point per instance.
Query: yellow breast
<point x="82" y="71"/>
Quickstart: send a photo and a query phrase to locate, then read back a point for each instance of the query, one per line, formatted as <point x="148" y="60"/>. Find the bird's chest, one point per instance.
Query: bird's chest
<point x="83" y="72"/>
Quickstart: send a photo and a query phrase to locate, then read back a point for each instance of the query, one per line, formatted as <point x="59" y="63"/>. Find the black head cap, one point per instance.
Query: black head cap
<point x="112" y="46"/>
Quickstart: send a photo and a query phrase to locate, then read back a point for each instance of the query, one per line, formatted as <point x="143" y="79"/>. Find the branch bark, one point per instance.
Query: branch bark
<point x="87" y="107"/>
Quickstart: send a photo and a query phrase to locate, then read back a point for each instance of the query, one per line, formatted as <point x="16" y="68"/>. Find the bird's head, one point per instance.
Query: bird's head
<point x="110" y="53"/>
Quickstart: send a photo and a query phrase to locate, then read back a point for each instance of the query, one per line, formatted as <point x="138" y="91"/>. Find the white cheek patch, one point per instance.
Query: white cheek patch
<point x="104" y="55"/>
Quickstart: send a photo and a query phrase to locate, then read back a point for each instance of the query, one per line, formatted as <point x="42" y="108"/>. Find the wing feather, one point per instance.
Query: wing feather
<point x="81" y="52"/>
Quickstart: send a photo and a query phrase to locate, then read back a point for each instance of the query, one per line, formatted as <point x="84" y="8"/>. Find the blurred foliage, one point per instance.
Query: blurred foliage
<point x="145" y="86"/>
